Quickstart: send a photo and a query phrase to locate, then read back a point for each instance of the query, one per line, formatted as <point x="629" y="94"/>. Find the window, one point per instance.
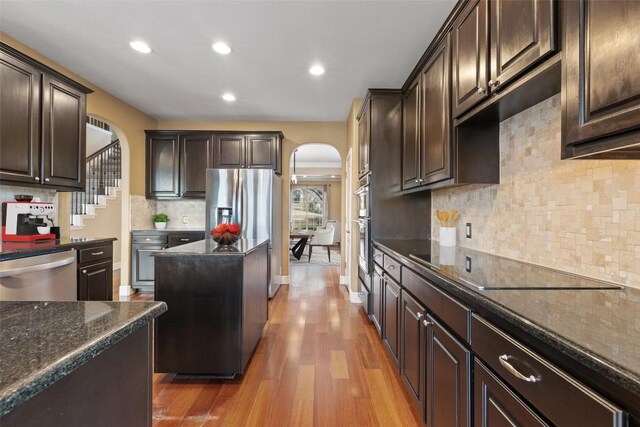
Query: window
<point x="308" y="207"/>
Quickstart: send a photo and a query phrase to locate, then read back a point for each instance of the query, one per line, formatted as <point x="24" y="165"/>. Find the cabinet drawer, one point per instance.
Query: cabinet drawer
<point x="95" y="254"/>
<point x="377" y="256"/>
<point x="455" y="315"/>
<point x="152" y="240"/>
<point x="391" y="267"/>
<point x="540" y="382"/>
<point x="183" y="239"/>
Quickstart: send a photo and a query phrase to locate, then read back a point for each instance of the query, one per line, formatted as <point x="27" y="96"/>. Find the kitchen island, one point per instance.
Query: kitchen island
<point x="76" y="363"/>
<point x="217" y="298"/>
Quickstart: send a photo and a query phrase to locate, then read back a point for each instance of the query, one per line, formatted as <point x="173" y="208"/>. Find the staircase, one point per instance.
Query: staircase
<point x="103" y="179"/>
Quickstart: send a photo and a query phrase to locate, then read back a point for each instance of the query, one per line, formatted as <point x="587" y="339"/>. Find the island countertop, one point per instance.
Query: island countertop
<point x="209" y="247"/>
<point x="42" y="342"/>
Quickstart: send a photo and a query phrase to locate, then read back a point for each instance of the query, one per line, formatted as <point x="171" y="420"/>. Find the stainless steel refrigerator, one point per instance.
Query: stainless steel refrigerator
<point x="252" y="198"/>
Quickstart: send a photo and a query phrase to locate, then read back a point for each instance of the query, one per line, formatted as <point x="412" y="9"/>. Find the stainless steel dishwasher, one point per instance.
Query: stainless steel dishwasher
<point x="50" y="277"/>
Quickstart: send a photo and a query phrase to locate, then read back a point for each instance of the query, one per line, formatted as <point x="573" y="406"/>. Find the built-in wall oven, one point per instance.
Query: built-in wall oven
<point x="363" y="225"/>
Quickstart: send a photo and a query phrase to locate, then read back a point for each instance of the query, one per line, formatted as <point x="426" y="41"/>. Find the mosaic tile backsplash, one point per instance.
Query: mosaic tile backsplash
<point x="581" y="216"/>
<point x="142" y="210"/>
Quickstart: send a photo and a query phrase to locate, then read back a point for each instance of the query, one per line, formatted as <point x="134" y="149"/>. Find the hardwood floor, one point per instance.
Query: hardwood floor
<point x="319" y="363"/>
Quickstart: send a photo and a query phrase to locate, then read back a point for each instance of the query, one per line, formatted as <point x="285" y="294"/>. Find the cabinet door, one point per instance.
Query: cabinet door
<point x="376" y="297"/>
<point x="364" y="139"/>
<point x="229" y="151"/>
<point x="261" y="152"/>
<point x="391" y="306"/>
<point x="19" y="120"/>
<point x="411" y="137"/>
<point x="522" y="33"/>
<point x="448" y="383"/>
<point x="95" y="282"/>
<point x="196" y="156"/>
<point x="470" y="48"/>
<point x="64" y="133"/>
<point x="601" y="62"/>
<point x="412" y="343"/>
<point x="495" y="405"/>
<point x="163" y="165"/>
<point x="435" y="106"/>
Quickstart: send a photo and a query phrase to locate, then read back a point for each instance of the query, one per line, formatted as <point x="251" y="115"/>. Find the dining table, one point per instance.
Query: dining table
<point x="303" y="237"/>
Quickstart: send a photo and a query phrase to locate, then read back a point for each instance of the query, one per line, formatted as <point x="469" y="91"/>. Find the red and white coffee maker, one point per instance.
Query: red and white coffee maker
<point x="27" y="221"/>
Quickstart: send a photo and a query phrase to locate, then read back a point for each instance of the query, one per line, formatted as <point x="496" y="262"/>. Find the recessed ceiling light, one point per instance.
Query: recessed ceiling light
<point x="317" y="70"/>
<point x="333" y="176"/>
<point x="140" y="46"/>
<point x="229" y="97"/>
<point x="304" y="176"/>
<point x="221" y="48"/>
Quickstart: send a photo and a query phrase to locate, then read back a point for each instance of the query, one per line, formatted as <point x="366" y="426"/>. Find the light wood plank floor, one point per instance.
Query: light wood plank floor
<point x="319" y="363"/>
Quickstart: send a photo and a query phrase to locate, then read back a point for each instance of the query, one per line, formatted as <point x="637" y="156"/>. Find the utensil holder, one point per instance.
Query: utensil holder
<point x="447" y="236"/>
<point x="447" y="255"/>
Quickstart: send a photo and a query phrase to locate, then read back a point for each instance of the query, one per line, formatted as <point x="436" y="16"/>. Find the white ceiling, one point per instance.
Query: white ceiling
<point x="361" y="44"/>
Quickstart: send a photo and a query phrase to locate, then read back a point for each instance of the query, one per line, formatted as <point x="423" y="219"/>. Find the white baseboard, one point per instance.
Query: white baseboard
<point x="116" y="266"/>
<point x="355" y="297"/>
<point x="281" y="280"/>
<point x="344" y="280"/>
<point x="126" y="290"/>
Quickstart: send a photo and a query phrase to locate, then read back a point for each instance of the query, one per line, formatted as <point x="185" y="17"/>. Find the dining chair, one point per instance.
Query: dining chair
<point x="323" y="236"/>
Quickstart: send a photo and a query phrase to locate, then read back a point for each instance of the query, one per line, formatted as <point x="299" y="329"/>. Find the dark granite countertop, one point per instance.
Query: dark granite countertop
<point x="43" y="342"/>
<point x="597" y="328"/>
<point x="209" y="247"/>
<point x="15" y="250"/>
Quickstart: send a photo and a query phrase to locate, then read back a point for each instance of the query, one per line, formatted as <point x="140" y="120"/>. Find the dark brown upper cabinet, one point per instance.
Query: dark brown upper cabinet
<point x="494" y="43"/>
<point x="522" y="33"/>
<point x="601" y="82"/>
<point x="254" y="151"/>
<point x="63" y="134"/>
<point x="364" y="139"/>
<point x="470" y="56"/>
<point x="435" y="158"/>
<point x="163" y="166"/>
<point x="196" y="155"/>
<point x="42" y="124"/>
<point x="411" y="136"/>
<point x="229" y="151"/>
<point x="427" y="122"/>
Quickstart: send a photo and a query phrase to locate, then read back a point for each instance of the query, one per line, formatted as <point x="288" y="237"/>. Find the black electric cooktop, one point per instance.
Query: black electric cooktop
<point x="485" y="271"/>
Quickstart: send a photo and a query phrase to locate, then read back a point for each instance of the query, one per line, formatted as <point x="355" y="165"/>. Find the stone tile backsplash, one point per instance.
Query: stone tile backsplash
<point x="142" y="210"/>
<point x="581" y="216"/>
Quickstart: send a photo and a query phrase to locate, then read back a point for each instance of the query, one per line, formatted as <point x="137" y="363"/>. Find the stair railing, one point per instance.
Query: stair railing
<point x="103" y="170"/>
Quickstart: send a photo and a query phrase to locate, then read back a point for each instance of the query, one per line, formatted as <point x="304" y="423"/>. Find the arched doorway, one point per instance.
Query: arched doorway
<point x="315" y="201"/>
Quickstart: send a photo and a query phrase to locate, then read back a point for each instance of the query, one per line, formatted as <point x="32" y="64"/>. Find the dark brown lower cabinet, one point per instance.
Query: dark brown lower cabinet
<point x="376" y="297"/>
<point x="412" y="348"/>
<point x="96" y="282"/>
<point x="448" y="382"/>
<point x="495" y="405"/>
<point x="391" y="306"/>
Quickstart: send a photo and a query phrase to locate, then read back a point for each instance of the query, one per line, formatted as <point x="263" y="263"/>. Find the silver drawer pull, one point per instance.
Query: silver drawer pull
<point x="504" y="361"/>
<point x="425" y="322"/>
<point x="391" y="267"/>
<point x="97" y="253"/>
<point x="184" y="240"/>
<point x="420" y="314"/>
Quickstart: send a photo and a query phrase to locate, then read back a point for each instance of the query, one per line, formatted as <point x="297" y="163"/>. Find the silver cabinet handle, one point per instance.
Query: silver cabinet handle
<point x="47" y="180"/>
<point x="84" y="271"/>
<point x="504" y="361"/>
<point x="184" y="240"/>
<point x="481" y="90"/>
<point x="37" y="178"/>
<point x="425" y="322"/>
<point x="494" y="83"/>
<point x="391" y="267"/>
<point x="97" y="253"/>
<point x="420" y="314"/>
<point x="417" y="180"/>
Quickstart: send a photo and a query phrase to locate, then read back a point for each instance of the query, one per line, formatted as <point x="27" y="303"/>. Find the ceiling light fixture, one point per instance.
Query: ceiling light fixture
<point x="317" y="70"/>
<point x="221" y="48"/>
<point x="229" y="97"/>
<point x="140" y="46"/>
